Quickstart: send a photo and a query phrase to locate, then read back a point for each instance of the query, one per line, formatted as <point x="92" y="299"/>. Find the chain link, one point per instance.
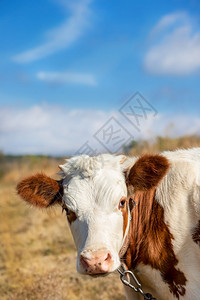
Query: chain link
<point x="126" y="276"/>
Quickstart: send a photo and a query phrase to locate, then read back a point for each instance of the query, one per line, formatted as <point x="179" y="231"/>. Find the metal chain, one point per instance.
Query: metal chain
<point x="125" y="277"/>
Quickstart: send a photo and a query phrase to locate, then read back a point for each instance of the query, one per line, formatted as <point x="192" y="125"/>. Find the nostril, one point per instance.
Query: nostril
<point x="108" y="258"/>
<point x="84" y="261"/>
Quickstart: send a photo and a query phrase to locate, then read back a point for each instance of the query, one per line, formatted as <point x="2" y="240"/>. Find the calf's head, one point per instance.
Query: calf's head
<point x="94" y="191"/>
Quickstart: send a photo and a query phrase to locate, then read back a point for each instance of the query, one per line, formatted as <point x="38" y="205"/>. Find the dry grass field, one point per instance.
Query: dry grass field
<point x="37" y="253"/>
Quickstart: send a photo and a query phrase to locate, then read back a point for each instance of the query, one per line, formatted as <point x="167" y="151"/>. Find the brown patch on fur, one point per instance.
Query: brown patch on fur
<point x="150" y="242"/>
<point x="196" y="234"/>
<point x="40" y="190"/>
<point x="147" y="172"/>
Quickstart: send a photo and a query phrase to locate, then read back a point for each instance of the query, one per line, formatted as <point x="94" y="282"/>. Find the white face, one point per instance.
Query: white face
<point x="97" y="222"/>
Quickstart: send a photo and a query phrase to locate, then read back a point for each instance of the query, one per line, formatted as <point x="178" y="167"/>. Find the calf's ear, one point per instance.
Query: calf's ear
<point x="40" y="190"/>
<point x="147" y="172"/>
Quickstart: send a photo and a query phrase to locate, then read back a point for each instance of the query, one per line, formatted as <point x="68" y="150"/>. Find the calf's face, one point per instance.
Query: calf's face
<point x="93" y="192"/>
<point x="94" y="211"/>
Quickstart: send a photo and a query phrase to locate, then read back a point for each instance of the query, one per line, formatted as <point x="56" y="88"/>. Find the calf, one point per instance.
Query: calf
<point x="158" y="237"/>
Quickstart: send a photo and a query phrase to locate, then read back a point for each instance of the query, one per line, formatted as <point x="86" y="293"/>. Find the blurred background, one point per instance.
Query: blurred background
<point x="85" y="76"/>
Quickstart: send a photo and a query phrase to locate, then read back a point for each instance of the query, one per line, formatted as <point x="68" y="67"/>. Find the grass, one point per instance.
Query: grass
<point x="160" y="144"/>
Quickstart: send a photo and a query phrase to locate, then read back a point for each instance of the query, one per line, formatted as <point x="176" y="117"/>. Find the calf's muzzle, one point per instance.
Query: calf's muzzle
<point x="97" y="262"/>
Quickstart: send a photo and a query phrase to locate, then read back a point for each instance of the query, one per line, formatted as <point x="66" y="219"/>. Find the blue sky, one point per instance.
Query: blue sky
<point x="66" y="67"/>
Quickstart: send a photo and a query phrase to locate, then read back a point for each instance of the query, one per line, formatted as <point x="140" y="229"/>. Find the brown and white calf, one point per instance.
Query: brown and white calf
<point x="164" y="226"/>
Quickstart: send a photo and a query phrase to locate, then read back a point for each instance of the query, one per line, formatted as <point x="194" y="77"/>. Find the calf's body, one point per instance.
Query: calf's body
<point x="164" y="226"/>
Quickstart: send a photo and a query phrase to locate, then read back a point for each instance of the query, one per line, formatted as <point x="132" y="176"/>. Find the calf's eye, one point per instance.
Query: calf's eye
<point x="122" y="203"/>
<point x="66" y="210"/>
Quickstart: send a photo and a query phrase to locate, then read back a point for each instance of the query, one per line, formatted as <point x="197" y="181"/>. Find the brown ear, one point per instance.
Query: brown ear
<point x="40" y="190"/>
<point x="147" y="172"/>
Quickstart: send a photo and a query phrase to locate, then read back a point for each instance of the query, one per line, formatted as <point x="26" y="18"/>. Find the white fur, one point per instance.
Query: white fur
<point x="93" y="187"/>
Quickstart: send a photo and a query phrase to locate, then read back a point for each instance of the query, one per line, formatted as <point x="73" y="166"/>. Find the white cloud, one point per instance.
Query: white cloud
<point x="62" y="36"/>
<point x="47" y="129"/>
<point x="176" y="48"/>
<point x="67" y="77"/>
<point x="173" y="19"/>
<point x="56" y="130"/>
